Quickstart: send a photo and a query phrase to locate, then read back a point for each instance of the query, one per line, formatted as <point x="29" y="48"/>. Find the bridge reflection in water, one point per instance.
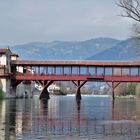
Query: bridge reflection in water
<point x="64" y="118"/>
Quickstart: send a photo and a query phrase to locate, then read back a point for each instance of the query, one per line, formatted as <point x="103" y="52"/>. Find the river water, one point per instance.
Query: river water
<point x="62" y="118"/>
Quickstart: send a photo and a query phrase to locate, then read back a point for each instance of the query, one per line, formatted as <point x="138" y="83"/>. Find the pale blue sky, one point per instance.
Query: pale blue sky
<point x="24" y="21"/>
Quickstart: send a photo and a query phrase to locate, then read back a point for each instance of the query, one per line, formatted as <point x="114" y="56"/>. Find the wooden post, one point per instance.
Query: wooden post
<point x="63" y="70"/>
<point x="78" y="70"/>
<point x="70" y="69"/>
<point x="138" y="71"/>
<point x="113" y="91"/>
<point x="112" y="71"/>
<point x="87" y="71"/>
<point x="54" y="69"/>
<point x="113" y="86"/>
<point x="104" y="71"/>
<point x="46" y="69"/>
<point x="95" y="70"/>
<point x="129" y="71"/>
<point x="78" y="84"/>
<point x="45" y="94"/>
<point x="38" y="69"/>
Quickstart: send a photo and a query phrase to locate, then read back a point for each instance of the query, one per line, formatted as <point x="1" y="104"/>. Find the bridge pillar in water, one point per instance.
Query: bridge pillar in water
<point x="113" y="86"/>
<point x="78" y="93"/>
<point x="113" y="91"/>
<point x="78" y="84"/>
<point x="27" y="89"/>
<point x="45" y="94"/>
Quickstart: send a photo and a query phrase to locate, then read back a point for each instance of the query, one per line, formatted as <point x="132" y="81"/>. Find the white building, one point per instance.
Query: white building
<point x="5" y="69"/>
<point x="52" y="88"/>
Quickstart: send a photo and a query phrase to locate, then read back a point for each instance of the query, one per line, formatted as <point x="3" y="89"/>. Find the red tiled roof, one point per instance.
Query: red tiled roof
<point x="4" y="50"/>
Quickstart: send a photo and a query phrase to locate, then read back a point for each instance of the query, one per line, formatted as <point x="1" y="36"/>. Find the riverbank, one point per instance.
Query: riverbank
<point x="127" y="97"/>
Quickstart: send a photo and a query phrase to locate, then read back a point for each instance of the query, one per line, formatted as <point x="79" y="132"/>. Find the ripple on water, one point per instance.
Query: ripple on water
<point x="64" y="118"/>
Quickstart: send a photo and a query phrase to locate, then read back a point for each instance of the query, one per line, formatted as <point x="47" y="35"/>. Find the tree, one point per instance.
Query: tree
<point x="131" y="9"/>
<point x="121" y="89"/>
<point x="131" y="89"/>
<point x="138" y="91"/>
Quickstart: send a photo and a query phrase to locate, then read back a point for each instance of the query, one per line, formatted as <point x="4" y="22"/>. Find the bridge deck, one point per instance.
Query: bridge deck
<point x="81" y="77"/>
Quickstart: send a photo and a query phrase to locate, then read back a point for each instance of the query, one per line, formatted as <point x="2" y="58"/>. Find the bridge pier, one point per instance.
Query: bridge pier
<point x="113" y="86"/>
<point x="113" y="92"/>
<point x="78" y="94"/>
<point x="45" y="94"/>
<point x="13" y="88"/>
<point x="78" y="84"/>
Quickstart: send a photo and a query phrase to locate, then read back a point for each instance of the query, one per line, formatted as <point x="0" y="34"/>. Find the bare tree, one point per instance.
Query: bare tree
<point x="131" y="9"/>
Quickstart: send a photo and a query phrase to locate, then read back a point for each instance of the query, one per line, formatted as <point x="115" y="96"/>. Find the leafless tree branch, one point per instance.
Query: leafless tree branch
<point x="131" y="9"/>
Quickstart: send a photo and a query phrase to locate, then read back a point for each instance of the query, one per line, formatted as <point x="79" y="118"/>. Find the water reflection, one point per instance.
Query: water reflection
<point x="64" y="118"/>
<point x="10" y="119"/>
<point x="2" y="119"/>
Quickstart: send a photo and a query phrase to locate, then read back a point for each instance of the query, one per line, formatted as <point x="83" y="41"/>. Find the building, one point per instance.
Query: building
<point x="14" y="56"/>
<point x="5" y="69"/>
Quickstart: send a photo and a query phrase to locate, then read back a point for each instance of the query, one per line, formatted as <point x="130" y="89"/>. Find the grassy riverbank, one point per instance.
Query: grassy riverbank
<point x="126" y="97"/>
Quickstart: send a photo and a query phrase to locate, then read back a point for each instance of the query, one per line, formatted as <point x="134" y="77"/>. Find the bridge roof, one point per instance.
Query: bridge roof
<point x="75" y="63"/>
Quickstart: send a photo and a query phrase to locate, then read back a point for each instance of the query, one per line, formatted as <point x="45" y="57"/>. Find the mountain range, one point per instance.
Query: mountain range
<point x="93" y="49"/>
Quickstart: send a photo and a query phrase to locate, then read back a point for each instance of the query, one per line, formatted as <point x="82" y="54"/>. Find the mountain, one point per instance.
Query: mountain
<point x="59" y="50"/>
<point x="93" y="49"/>
<point x="124" y="50"/>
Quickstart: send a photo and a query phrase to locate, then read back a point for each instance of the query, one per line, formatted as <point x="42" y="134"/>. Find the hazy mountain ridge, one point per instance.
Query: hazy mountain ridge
<point x="98" y="49"/>
<point x="124" y="50"/>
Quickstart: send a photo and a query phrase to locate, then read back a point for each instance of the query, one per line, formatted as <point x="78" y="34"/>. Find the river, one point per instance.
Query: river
<point x="62" y="118"/>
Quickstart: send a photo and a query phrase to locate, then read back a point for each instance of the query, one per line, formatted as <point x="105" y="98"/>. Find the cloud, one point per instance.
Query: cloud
<point x="48" y="20"/>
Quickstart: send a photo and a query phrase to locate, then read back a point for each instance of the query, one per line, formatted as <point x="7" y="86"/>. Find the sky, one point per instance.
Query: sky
<point x="23" y="21"/>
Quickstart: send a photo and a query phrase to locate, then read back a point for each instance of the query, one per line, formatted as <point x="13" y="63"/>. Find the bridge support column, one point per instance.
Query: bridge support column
<point x="112" y="87"/>
<point x="78" y="94"/>
<point x="78" y="84"/>
<point x="113" y="91"/>
<point x="13" y="89"/>
<point x="45" y="94"/>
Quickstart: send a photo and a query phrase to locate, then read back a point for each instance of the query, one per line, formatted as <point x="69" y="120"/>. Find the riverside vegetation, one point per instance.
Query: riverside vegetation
<point x="130" y="90"/>
<point x="124" y="90"/>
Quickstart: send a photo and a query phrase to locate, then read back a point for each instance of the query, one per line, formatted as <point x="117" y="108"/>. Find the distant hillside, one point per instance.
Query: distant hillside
<point x="124" y="50"/>
<point x="93" y="49"/>
<point x="59" y="50"/>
